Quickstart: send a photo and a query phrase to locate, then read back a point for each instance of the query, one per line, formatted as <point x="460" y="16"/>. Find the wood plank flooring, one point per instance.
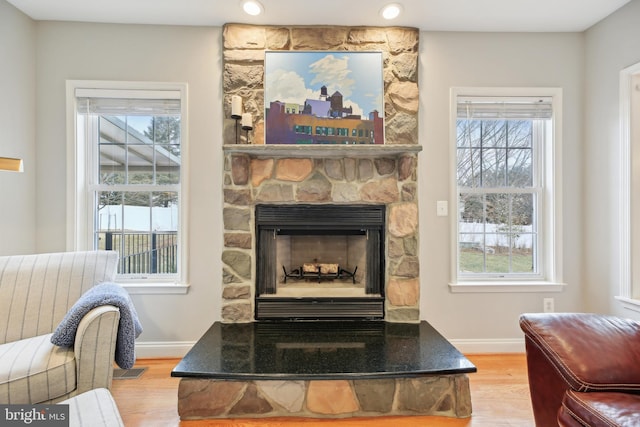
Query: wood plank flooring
<point x="499" y="395"/>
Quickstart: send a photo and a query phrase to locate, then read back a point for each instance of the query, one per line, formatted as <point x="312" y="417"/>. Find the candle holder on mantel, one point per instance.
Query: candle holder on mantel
<point x="247" y="125"/>
<point x="237" y="119"/>
<point x="247" y="129"/>
<point x="236" y="111"/>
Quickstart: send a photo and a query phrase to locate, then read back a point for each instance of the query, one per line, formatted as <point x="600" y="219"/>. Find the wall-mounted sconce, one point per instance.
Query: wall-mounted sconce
<point x="252" y="7"/>
<point x="11" y="164"/>
<point x="391" y="11"/>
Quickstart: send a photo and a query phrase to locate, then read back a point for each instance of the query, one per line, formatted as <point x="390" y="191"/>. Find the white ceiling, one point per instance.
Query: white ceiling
<point x="429" y="15"/>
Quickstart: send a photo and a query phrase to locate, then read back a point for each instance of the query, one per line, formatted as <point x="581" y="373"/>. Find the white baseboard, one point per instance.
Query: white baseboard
<point x="162" y="349"/>
<point x="476" y="346"/>
<point x="173" y="349"/>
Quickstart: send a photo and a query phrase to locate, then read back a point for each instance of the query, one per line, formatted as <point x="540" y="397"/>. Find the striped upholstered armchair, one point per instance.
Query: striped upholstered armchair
<point x="36" y="291"/>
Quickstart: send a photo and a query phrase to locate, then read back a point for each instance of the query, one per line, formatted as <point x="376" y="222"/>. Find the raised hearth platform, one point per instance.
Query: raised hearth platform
<point x="323" y="369"/>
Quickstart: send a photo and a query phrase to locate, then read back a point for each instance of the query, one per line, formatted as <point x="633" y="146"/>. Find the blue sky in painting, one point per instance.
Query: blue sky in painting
<point x="296" y="76"/>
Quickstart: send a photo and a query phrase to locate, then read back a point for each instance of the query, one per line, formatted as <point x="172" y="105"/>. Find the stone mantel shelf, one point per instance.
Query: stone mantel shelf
<point x="322" y="151"/>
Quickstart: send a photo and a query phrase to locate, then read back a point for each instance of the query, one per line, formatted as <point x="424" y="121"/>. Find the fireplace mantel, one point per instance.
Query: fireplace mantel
<point x="322" y="151"/>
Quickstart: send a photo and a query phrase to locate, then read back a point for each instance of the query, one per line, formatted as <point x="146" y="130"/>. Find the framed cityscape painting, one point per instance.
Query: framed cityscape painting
<point x="323" y="97"/>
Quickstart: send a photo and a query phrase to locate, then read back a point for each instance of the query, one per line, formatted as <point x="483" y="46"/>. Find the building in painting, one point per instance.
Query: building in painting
<point x="321" y="121"/>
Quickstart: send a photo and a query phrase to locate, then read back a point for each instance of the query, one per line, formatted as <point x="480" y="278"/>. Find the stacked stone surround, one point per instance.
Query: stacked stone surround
<point x="370" y="177"/>
<point x="446" y="395"/>
<point x="381" y="180"/>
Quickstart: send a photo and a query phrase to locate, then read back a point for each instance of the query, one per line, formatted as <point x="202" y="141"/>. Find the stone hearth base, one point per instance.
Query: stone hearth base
<point x="444" y="395"/>
<point x="323" y="369"/>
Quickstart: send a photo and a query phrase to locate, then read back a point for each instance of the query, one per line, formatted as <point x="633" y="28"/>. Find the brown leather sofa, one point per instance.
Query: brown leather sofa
<point x="584" y="369"/>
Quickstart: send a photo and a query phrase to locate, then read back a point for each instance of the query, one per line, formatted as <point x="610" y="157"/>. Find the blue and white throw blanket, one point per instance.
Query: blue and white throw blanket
<point x="129" y="327"/>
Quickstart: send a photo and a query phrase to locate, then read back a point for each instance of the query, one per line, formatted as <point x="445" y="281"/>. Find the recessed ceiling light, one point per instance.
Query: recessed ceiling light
<point x="391" y="11"/>
<point x="252" y="7"/>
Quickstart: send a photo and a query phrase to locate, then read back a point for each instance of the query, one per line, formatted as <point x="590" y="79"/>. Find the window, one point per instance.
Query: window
<point x="302" y="129"/>
<point x="629" y="294"/>
<point x="505" y="185"/>
<point x="129" y="151"/>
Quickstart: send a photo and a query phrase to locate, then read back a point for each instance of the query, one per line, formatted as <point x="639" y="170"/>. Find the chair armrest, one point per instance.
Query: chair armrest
<point x="94" y="348"/>
<point x="591" y="352"/>
<point x="599" y="409"/>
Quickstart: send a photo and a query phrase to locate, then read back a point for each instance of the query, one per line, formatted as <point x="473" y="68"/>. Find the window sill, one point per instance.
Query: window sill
<point x="506" y="287"/>
<point x="155" y="288"/>
<point x="629" y="303"/>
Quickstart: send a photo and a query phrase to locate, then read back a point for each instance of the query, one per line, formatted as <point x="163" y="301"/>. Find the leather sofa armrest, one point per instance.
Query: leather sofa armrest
<point x="600" y="409"/>
<point x="94" y="348"/>
<point x="566" y="419"/>
<point x="591" y="352"/>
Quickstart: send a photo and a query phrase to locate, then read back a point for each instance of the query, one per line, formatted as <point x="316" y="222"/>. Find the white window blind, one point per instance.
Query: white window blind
<point x="477" y="107"/>
<point x="130" y="102"/>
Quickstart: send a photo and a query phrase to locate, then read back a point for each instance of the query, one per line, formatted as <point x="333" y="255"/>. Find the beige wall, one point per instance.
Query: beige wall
<point x="141" y="53"/>
<point x="585" y="66"/>
<point x="611" y="46"/>
<point x="17" y="133"/>
<point x="122" y="52"/>
<point x="449" y="59"/>
<point x="156" y="53"/>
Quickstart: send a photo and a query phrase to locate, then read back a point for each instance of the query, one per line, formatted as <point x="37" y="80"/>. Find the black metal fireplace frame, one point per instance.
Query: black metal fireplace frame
<point x="319" y="219"/>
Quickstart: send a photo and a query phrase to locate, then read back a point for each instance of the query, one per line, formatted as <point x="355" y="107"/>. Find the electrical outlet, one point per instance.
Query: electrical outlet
<point x="547" y="305"/>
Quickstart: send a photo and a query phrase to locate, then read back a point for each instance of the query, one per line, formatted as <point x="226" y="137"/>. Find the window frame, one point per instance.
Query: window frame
<point x="549" y="277"/>
<point x="80" y="203"/>
<point x="628" y="290"/>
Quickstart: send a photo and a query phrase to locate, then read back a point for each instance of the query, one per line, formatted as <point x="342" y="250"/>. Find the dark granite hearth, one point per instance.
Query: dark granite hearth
<point x="322" y="369"/>
<point x="321" y="350"/>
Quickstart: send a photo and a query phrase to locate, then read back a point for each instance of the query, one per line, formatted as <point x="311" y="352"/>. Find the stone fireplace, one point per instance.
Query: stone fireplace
<point x="258" y="175"/>
<point x="325" y="232"/>
<point x="260" y="182"/>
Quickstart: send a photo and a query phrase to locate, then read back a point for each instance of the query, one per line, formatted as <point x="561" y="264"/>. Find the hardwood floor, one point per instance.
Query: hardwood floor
<point x="499" y="395"/>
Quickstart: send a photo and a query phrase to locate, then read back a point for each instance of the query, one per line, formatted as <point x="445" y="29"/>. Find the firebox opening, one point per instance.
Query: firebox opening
<point x="320" y="261"/>
<point x="320" y="265"/>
